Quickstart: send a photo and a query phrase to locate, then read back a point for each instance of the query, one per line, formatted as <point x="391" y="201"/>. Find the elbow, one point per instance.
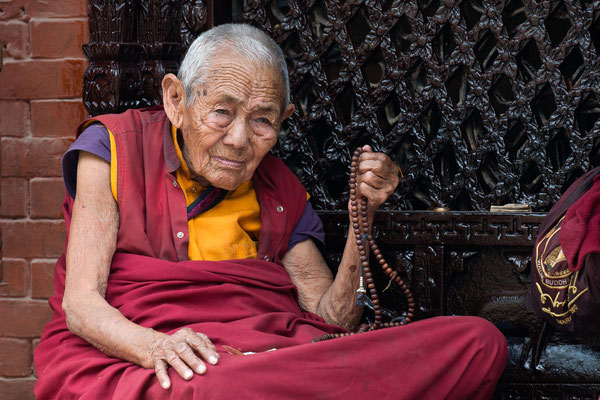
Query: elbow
<point x="348" y="324"/>
<point x="70" y="308"/>
<point x="338" y="316"/>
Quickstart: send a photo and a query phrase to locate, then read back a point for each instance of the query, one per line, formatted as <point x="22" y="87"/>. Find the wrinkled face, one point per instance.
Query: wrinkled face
<point x="233" y="122"/>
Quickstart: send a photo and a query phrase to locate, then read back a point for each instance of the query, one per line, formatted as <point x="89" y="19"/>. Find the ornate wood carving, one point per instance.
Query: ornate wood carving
<point x="133" y="45"/>
<point x="480" y="102"/>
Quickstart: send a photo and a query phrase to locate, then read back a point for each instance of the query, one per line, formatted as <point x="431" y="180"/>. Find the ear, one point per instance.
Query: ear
<point x="289" y="110"/>
<point x="173" y="99"/>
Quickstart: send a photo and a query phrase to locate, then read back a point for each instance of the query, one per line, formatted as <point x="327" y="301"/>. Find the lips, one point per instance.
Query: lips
<point x="229" y="163"/>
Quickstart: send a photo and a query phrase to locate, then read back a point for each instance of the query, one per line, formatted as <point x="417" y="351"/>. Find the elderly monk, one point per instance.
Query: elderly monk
<point x="188" y="245"/>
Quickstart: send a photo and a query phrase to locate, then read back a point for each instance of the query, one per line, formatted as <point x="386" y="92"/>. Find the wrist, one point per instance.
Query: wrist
<point x="149" y="348"/>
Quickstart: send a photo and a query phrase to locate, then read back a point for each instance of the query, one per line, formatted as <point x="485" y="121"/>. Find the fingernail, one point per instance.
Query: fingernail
<point x="201" y="369"/>
<point x="188" y="374"/>
<point x="213" y="360"/>
<point x="165" y="384"/>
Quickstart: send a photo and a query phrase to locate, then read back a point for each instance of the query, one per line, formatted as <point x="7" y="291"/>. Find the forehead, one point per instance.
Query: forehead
<point x="233" y="78"/>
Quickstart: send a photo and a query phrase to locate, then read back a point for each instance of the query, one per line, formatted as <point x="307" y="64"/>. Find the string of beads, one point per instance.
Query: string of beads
<point x="360" y="226"/>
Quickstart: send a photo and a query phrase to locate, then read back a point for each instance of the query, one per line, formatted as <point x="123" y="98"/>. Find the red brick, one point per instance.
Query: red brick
<point x="15" y="357"/>
<point x="42" y="79"/>
<point x="23" y="318"/>
<point x="17" y="389"/>
<point x="15" y="118"/>
<point x="33" y="157"/>
<point x="14" y="200"/>
<point x="42" y="279"/>
<point x="25" y="9"/>
<point x="57" y="117"/>
<point x="32" y="239"/>
<point x="15" y="277"/>
<point x="47" y="195"/>
<point x="35" y="343"/>
<point x="58" y="38"/>
<point x="15" y="39"/>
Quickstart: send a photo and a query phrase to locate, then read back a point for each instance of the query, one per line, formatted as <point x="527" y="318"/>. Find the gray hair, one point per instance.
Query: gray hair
<point x="244" y="40"/>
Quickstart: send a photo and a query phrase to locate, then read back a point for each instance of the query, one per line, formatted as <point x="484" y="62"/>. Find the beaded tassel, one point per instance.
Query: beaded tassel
<point x="360" y="299"/>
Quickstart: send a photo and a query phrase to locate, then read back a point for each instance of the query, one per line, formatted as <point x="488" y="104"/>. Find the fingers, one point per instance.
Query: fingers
<point x="377" y="177"/>
<point x="178" y="351"/>
<point x="202" y="344"/>
<point x="175" y="361"/>
<point x="379" y="163"/>
<point x="160" y="369"/>
<point x="373" y="179"/>
<point x="374" y="189"/>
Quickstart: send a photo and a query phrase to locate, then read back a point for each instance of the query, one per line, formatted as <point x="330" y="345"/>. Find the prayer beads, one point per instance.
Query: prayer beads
<point x="359" y="220"/>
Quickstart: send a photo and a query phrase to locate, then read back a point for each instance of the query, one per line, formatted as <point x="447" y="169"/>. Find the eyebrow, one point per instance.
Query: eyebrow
<point x="232" y="99"/>
<point x="266" y="109"/>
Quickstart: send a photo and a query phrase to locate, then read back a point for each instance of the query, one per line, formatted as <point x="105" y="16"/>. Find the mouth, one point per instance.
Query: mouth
<point x="228" y="163"/>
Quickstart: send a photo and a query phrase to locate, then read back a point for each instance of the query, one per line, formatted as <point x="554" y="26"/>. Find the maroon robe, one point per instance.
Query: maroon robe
<point x="250" y="305"/>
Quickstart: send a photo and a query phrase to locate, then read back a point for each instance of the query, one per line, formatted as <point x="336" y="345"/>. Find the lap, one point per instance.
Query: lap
<point x="426" y="359"/>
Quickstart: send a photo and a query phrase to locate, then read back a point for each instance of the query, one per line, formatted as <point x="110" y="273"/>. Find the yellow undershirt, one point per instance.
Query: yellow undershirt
<point x="227" y="231"/>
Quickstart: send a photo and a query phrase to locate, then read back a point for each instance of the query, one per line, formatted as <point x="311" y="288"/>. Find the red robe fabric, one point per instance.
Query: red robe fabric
<point x="250" y="305"/>
<point x="580" y="229"/>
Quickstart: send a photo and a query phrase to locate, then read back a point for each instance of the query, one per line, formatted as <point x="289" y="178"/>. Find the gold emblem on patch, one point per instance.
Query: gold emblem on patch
<point x="554" y="258"/>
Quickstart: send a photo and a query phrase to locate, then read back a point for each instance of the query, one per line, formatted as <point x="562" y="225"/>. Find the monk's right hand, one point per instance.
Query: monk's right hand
<point x="179" y="351"/>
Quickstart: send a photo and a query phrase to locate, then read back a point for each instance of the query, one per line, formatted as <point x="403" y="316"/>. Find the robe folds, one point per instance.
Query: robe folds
<point x="251" y="305"/>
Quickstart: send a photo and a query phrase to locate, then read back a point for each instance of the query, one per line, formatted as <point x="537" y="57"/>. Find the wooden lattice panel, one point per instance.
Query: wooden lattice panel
<point x="479" y="102"/>
<point x="133" y="45"/>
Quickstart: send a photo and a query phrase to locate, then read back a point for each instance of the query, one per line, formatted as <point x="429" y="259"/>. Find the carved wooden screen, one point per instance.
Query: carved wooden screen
<point x="480" y="102"/>
<point x="133" y="44"/>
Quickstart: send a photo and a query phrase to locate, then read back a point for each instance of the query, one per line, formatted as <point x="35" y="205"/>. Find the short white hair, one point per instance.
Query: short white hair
<point x="243" y="40"/>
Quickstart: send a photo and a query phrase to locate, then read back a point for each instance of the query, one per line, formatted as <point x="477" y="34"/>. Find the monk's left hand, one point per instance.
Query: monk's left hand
<point x="376" y="178"/>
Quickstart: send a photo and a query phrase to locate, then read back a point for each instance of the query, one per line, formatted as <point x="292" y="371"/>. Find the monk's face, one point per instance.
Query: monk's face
<point x="233" y="122"/>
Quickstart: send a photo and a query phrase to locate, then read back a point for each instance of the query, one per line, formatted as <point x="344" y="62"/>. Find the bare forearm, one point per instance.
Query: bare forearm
<point x="91" y="247"/>
<point x="338" y="304"/>
<point x="92" y="244"/>
<point x="335" y="299"/>
<point x="104" y="327"/>
<point x="373" y="179"/>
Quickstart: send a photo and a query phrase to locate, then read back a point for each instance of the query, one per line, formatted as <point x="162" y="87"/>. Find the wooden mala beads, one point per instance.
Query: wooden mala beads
<point x="363" y="239"/>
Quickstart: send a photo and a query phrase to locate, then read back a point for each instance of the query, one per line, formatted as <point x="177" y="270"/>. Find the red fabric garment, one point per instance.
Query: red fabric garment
<point x="251" y="305"/>
<point x="245" y="304"/>
<point x="153" y="204"/>
<point x="580" y="230"/>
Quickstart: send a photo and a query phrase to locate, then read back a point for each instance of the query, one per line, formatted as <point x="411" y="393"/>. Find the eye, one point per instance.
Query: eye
<point x="263" y="121"/>
<point x="222" y="111"/>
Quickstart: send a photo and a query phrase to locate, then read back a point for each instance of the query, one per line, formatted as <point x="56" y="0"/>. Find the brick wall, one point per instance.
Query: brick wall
<point x="40" y="105"/>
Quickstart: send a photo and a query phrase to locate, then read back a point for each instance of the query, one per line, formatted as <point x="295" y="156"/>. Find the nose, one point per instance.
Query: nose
<point x="237" y="134"/>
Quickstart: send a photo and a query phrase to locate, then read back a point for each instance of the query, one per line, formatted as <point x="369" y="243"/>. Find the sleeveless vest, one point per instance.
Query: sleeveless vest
<point x="152" y="207"/>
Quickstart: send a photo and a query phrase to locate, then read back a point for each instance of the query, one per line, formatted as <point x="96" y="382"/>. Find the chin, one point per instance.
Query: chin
<point x="227" y="183"/>
<point x="228" y="187"/>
